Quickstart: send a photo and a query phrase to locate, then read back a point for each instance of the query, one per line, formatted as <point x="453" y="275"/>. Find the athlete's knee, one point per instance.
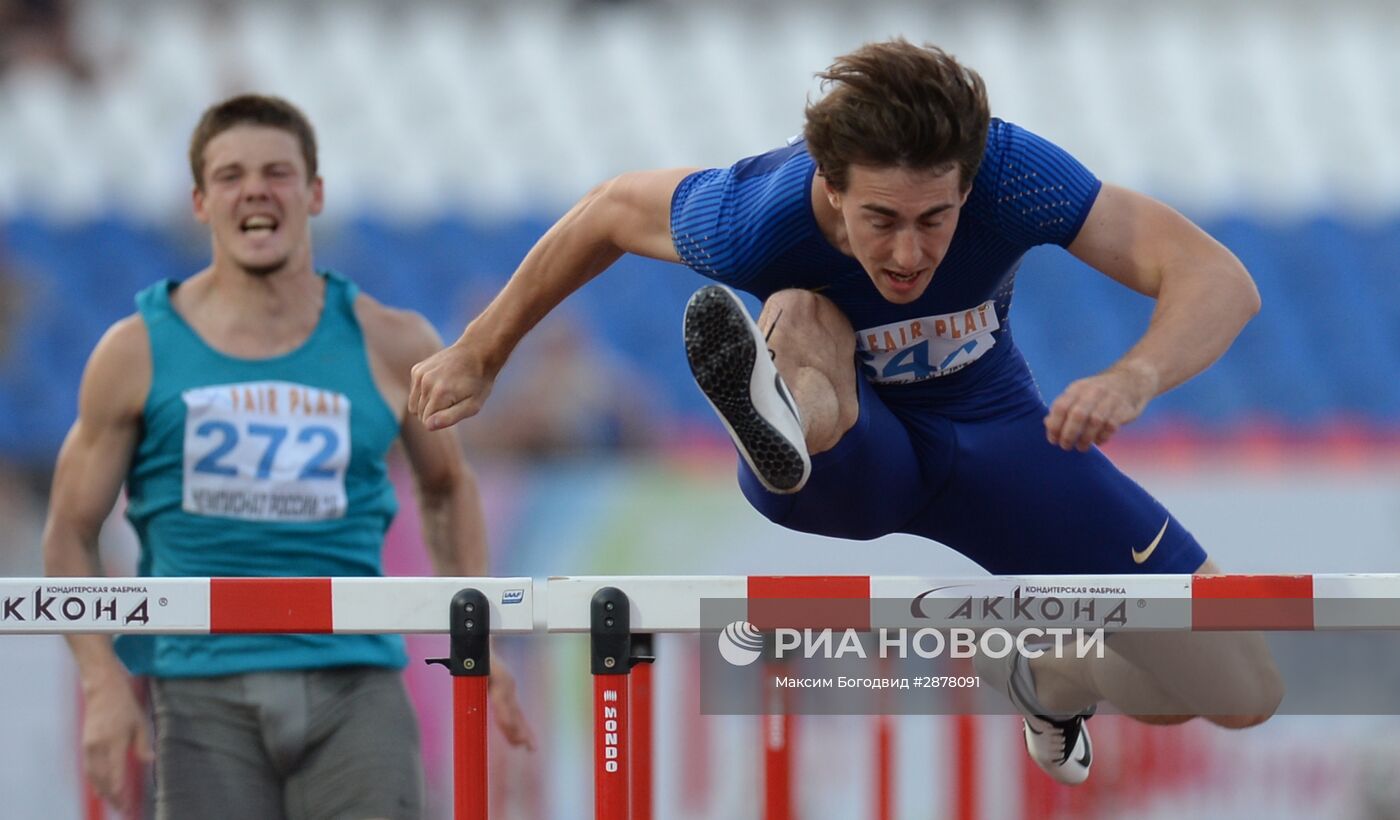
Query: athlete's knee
<point x="814" y="349"/>
<point x="796" y="318"/>
<point x="1267" y="697"/>
<point x="1258" y="687"/>
<point x="1252" y="674"/>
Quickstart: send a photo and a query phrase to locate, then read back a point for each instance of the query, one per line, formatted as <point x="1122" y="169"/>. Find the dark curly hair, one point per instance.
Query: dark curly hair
<point x="898" y="104"/>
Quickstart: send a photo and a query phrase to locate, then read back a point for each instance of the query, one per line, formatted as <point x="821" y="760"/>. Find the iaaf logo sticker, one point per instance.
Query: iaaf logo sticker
<point x="78" y="604"/>
<point x="512" y="596"/>
<point x="1031" y="603"/>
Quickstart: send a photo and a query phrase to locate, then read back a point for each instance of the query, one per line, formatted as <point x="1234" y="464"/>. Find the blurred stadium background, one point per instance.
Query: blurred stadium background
<point x="452" y="134"/>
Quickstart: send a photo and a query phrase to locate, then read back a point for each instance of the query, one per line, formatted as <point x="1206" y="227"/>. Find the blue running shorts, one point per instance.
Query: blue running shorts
<point x="991" y="488"/>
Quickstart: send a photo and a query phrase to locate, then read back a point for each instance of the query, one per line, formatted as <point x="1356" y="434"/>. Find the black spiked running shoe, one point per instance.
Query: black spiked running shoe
<point x="735" y="371"/>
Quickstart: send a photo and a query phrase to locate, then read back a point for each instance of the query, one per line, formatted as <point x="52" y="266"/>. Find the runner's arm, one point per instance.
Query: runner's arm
<point x="1204" y="294"/>
<point x="453" y="525"/>
<point x="1204" y="299"/>
<point x="628" y="214"/>
<point x="91" y="467"/>
<point x="92" y="464"/>
<point x="449" y="503"/>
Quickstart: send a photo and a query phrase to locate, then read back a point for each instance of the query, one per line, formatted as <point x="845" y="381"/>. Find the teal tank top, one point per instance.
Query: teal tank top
<point x="260" y="467"/>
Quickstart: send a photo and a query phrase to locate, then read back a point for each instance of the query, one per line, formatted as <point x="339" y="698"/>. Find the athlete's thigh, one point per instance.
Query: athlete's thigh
<point x="1017" y="504"/>
<point x="876" y="478"/>
<point x="210" y="759"/>
<point x="364" y="758"/>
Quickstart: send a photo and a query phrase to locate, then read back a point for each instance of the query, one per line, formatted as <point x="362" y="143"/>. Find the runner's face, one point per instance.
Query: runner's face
<point x="257" y="200"/>
<point x="899" y="223"/>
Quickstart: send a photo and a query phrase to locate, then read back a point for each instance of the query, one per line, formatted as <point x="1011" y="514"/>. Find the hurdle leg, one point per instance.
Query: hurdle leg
<point x="883" y="780"/>
<point x="884" y="767"/>
<point x="470" y="665"/>
<point x="642" y="657"/>
<point x="967" y="803"/>
<point x="777" y="765"/>
<point x="469" y="766"/>
<point x="779" y="725"/>
<point x="611" y="652"/>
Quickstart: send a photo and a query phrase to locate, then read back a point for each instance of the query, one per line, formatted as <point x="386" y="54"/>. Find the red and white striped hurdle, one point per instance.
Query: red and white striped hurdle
<point x="193" y="606"/>
<point x="622" y="612"/>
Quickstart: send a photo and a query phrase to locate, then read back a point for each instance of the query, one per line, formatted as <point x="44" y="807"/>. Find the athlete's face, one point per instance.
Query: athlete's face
<point x="899" y="223"/>
<point x="256" y="198"/>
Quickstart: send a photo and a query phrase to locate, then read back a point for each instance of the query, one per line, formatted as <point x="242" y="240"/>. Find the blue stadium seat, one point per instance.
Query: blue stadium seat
<point x="1325" y="347"/>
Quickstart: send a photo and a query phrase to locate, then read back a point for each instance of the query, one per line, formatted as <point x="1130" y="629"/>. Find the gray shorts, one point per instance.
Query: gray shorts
<point x="332" y="743"/>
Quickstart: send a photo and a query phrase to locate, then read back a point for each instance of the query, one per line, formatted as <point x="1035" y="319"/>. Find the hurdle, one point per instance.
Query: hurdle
<point x="468" y="609"/>
<point x="621" y="613"/>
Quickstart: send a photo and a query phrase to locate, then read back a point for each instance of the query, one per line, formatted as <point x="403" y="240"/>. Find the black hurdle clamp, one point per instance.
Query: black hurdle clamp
<point x="610" y="632"/>
<point x="469" y="632"/>
<point x="642" y="649"/>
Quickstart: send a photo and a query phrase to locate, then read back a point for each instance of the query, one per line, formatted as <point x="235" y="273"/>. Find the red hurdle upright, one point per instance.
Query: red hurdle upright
<point x="611" y="652"/>
<point x="643" y="654"/>
<point x="778" y="725"/>
<point x="469" y="661"/>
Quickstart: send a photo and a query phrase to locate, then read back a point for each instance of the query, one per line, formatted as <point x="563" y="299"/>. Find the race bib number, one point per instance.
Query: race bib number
<point x="266" y="451"/>
<point x="918" y="349"/>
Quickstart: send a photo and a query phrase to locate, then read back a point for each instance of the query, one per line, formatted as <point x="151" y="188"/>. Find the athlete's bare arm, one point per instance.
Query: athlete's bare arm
<point x="452" y="520"/>
<point x="1204" y="298"/>
<point x="628" y="214"/>
<point x="454" y="527"/>
<point x="91" y="466"/>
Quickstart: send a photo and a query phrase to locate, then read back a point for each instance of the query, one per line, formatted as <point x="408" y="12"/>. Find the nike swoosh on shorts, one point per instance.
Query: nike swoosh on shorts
<point x="1143" y="555"/>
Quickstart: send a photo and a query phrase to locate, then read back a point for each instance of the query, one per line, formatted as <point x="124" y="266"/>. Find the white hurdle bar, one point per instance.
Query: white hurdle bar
<point x="662" y="603"/>
<point x="622" y="612"/>
<point x="184" y="606"/>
